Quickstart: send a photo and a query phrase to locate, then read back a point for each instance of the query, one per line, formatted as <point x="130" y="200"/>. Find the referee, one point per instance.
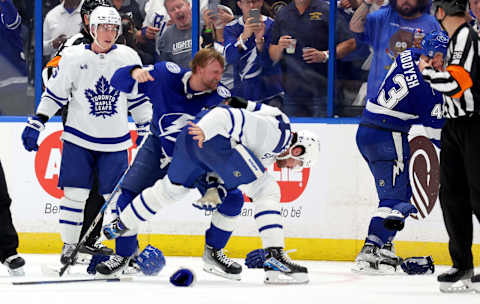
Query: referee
<point x="460" y="139"/>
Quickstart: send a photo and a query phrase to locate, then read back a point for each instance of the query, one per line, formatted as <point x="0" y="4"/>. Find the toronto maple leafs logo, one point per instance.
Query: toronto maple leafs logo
<point x="103" y="101"/>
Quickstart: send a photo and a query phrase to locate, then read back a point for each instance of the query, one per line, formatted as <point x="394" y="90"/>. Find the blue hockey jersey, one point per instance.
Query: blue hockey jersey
<point x="11" y="40"/>
<point x="174" y="102"/>
<point x="404" y="99"/>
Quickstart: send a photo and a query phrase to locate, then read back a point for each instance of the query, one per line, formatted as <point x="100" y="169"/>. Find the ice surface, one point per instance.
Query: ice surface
<point x="330" y="282"/>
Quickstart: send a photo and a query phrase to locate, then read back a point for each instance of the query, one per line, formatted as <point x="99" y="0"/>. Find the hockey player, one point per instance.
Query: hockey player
<point x="95" y="200"/>
<point x="404" y="99"/>
<point x="96" y="134"/>
<point x="230" y="144"/>
<point x="177" y="96"/>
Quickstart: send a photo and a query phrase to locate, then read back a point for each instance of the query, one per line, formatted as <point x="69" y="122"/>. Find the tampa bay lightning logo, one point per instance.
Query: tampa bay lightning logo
<point x="103" y="101"/>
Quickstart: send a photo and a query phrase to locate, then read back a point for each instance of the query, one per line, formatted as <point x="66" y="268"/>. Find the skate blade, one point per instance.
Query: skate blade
<point x="19" y="272"/>
<point x="278" y="277"/>
<point x="363" y="267"/>
<point x="463" y="286"/>
<point x="214" y="270"/>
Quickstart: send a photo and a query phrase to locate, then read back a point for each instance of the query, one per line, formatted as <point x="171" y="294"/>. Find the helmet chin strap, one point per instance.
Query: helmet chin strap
<point x="94" y="35"/>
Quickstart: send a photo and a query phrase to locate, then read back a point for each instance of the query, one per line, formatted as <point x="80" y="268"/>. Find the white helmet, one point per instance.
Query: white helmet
<point x="104" y="15"/>
<point x="311" y="144"/>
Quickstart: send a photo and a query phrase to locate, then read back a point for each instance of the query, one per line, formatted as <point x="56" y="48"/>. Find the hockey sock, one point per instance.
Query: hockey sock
<point x="224" y="220"/>
<point x="72" y="206"/>
<point x="377" y="233"/>
<point x="268" y="220"/>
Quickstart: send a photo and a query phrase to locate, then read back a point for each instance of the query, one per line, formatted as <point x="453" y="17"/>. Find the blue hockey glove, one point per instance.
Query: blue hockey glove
<point x="396" y="219"/>
<point x="183" y="277"/>
<point x="418" y="265"/>
<point x="96" y="259"/>
<point x="151" y="261"/>
<point x="142" y="131"/>
<point x="31" y="132"/>
<point x="256" y="258"/>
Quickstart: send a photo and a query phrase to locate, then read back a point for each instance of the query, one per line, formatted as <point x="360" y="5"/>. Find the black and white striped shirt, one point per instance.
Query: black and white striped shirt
<point x="460" y="83"/>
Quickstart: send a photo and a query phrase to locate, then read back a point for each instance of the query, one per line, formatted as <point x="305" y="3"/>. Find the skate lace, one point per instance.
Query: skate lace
<point x="222" y="258"/>
<point x="287" y="259"/>
<point x="114" y="261"/>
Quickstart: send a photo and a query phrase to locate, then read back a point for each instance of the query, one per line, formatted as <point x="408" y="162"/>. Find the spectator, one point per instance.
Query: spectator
<point x="389" y="31"/>
<point x="299" y="27"/>
<point x="176" y="43"/>
<point x="13" y="71"/>
<point x="213" y="36"/>
<point x="129" y="7"/>
<point x="475" y="12"/>
<point x="154" y="25"/>
<point x="256" y="78"/>
<point x="61" y="22"/>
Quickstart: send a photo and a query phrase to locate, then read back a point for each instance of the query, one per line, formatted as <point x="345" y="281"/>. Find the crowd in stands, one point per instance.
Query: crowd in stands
<point x="276" y="50"/>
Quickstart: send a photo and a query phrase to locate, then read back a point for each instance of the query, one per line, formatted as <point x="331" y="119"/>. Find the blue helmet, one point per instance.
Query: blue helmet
<point x="435" y="42"/>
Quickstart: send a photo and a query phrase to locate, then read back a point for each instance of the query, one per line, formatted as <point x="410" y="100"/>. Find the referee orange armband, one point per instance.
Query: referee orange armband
<point x="462" y="77"/>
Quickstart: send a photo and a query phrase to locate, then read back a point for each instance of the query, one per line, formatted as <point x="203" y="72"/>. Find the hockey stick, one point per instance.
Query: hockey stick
<point x="74" y="281"/>
<point x="94" y="223"/>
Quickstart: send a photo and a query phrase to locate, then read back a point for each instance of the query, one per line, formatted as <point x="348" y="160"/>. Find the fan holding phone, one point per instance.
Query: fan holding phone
<point x="256" y="78"/>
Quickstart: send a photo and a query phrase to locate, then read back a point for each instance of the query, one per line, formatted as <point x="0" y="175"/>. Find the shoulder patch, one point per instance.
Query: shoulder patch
<point x="223" y="92"/>
<point x="173" y="67"/>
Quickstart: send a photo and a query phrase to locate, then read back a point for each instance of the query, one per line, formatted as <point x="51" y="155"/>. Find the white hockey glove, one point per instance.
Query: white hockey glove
<point x="209" y="201"/>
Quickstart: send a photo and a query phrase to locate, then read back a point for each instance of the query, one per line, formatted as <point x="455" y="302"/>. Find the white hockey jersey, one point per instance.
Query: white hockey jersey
<point x="265" y="130"/>
<point x="98" y="113"/>
<point x="156" y="15"/>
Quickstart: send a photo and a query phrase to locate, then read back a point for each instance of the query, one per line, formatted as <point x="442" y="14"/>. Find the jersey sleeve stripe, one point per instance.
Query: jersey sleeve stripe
<point x="131" y="107"/>
<point x="55" y="96"/>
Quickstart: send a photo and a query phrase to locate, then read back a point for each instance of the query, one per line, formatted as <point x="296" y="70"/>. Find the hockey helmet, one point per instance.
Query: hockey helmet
<point x="451" y="7"/>
<point x="311" y="148"/>
<point x="104" y="15"/>
<point x="89" y="5"/>
<point x="435" y="42"/>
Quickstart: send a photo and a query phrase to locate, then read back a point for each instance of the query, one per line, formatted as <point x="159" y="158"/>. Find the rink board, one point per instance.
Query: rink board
<point x="326" y="210"/>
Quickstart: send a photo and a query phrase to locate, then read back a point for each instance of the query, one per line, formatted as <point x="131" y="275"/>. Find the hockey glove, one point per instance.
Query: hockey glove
<point x="418" y="265"/>
<point x="214" y="194"/>
<point x="142" y="131"/>
<point x="31" y="132"/>
<point x="183" y="277"/>
<point x="256" y="258"/>
<point x="209" y="201"/>
<point x="396" y="219"/>
<point x="96" y="259"/>
<point x="151" y="261"/>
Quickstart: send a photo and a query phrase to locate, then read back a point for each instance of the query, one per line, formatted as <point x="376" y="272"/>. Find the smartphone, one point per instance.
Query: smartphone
<point x="255" y="14"/>
<point x="212" y="6"/>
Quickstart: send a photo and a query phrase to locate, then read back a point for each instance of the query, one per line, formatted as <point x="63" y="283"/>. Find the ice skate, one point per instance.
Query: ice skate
<point x="389" y="261"/>
<point x="217" y="263"/>
<point x="457" y="281"/>
<point x="114" y="266"/>
<point x="114" y="229"/>
<point x="279" y="268"/>
<point x="368" y="260"/>
<point x="14" y="264"/>
<point x="86" y="251"/>
<point x="475" y="283"/>
<point x="67" y="252"/>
